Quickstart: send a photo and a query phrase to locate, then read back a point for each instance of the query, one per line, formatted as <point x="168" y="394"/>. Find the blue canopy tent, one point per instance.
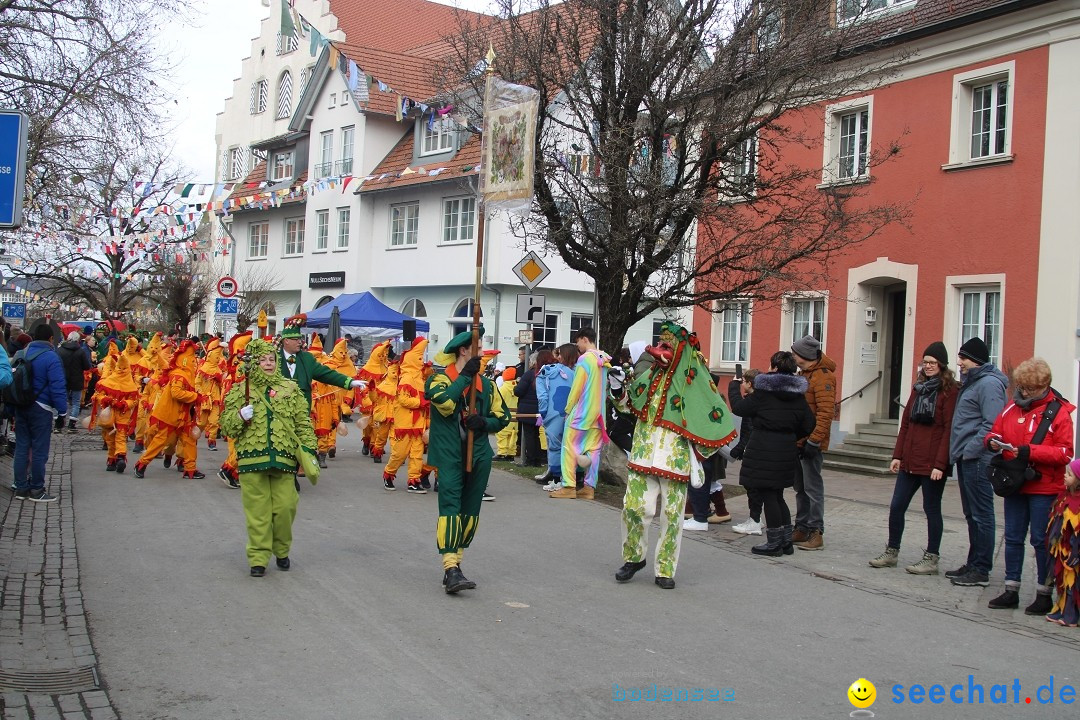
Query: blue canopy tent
<point x="362" y="314"/>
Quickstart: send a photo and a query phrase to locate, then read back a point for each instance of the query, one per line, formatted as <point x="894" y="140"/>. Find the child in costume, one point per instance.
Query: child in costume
<point x="341" y="358"/>
<point x="553" y="383"/>
<point x="1063" y="542"/>
<point x="233" y="375"/>
<point x="507" y="437"/>
<point x="173" y="417"/>
<point x="382" y="414"/>
<point x="453" y="421"/>
<point x="266" y="415"/>
<point x="373" y="372"/>
<point x="118" y="392"/>
<point x="410" y="409"/>
<point x="209" y="381"/>
<point x="681" y="420"/>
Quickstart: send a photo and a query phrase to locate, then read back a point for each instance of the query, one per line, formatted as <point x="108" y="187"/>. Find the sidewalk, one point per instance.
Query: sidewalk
<point x="48" y="669"/>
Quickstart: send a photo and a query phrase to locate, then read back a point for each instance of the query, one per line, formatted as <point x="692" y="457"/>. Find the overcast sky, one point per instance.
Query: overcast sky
<point x="207" y="60"/>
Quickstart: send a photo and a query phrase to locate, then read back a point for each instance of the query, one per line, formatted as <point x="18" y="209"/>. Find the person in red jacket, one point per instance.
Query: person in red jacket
<point x="921" y="458"/>
<point x="1029" y="508"/>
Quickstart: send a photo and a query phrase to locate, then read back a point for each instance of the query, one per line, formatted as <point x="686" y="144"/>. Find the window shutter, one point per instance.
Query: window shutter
<point x="284" y="105"/>
<point x="254" y="97"/>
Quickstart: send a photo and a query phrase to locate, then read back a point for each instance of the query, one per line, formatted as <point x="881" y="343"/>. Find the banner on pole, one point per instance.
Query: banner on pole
<point x="509" y="145"/>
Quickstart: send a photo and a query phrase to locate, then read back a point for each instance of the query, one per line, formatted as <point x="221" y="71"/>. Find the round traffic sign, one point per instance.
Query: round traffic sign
<point x="227" y="287"/>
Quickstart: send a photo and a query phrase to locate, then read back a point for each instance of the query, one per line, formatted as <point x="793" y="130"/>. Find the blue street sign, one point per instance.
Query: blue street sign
<point x="226" y="306"/>
<point x="13" y="126"/>
<point x="14" y="311"/>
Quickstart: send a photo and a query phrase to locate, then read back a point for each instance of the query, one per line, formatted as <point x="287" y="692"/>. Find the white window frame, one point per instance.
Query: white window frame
<point x="452" y="225"/>
<point x="294" y="237"/>
<point x="743" y="308"/>
<point x="258" y="240"/>
<point x="577" y="322"/>
<point x="456" y="321"/>
<point x="414" y="307"/>
<point x="322" y="230"/>
<point x="743" y="171"/>
<point x="787" y="333"/>
<point x="547" y="329"/>
<point x="325" y="168"/>
<point x="348" y="142"/>
<point x="834" y="115"/>
<point x="439" y="140"/>
<point x="344" y="229"/>
<point x="955" y="288"/>
<point x="333" y="100"/>
<point x="402" y="215"/>
<point x="283" y="166"/>
<point x="961" y="131"/>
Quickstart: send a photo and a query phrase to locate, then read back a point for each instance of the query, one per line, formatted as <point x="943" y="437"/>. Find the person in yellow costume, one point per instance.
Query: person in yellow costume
<point x="382" y="414"/>
<point x="339" y="360"/>
<point x="234" y="373"/>
<point x="143" y="372"/>
<point x="507" y="437"/>
<point x="173" y="417"/>
<point x="325" y="406"/>
<point x="373" y="372"/>
<point x="151" y="390"/>
<point x="120" y="394"/>
<point x="209" y="383"/>
<point x="410" y="412"/>
<point x="105" y="369"/>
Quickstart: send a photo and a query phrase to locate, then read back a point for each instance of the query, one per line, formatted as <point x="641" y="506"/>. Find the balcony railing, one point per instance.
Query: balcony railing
<point x="343" y="166"/>
<point x="323" y="170"/>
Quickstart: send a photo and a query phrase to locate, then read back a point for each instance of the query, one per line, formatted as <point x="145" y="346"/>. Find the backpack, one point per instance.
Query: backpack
<point x="20" y="393"/>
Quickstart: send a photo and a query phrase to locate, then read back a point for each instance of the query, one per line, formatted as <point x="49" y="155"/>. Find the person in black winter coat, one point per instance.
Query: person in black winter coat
<point x="780" y="415"/>
<point x="76" y="361"/>
<point x="528" y="404"/>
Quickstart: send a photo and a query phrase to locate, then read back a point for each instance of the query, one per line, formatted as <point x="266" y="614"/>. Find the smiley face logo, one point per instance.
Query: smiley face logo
<point x="862" y="693"/>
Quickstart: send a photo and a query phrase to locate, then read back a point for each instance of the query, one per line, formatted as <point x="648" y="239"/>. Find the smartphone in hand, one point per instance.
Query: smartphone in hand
<point x="1003" y="446"/>
<point x="738" y="371"/>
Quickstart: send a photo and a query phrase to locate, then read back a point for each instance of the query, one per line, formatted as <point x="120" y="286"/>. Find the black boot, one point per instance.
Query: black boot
<point x="627" y="571"/>
<point x="774" y="546"/>
<point x="455" y="581"/>
<point x="1006" y="600"/>
<point x="1043" y="604"/>
<point x="788" y="548"/>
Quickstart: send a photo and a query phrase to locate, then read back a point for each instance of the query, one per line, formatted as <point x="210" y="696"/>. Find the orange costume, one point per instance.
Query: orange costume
<point x="373" y="372"/>
<point x="118" y="392"/>
<point x="158" y="356"/>
<point x="208" y="381"/>
<point x="173" y="418"/>
<point x="330" y="402"/>
<point x="410" y="418"/>
<point x="234" y="373"/>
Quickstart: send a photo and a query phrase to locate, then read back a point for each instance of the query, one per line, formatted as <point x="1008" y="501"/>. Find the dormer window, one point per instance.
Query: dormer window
<point x="438" y="137"/>
<point x="282" y="167"/>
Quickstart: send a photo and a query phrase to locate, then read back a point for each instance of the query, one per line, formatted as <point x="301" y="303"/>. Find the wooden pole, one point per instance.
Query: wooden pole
<point x="480" y="239"/>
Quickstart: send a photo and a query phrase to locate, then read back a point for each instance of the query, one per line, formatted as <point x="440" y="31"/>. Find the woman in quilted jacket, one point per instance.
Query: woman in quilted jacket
<point x="1029" y="508"/>
<point x="267" y="417"/>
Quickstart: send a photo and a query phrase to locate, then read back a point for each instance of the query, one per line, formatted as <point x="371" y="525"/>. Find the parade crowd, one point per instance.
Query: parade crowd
<point x="280" y="406"/>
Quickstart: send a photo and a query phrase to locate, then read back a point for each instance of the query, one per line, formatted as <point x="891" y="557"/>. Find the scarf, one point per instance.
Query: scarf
<point x="1025" y="403"/>
<point x="922" y="410"/>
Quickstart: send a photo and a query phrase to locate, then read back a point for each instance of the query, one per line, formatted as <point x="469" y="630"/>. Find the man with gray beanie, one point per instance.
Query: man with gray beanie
<point x="820" y="372"/>
<point x="981" y="399"/>
<point x="76" y="361"/>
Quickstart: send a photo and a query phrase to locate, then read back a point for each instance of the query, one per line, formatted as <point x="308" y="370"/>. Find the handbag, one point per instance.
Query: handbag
<point x="1008" y="476"/>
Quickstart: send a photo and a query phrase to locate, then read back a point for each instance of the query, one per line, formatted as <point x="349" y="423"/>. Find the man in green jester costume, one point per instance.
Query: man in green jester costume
<point x="301" y="366"/>
<point x="682" y="419"/>
<point x="461" y="492"/>
<point x="267" y="416"/>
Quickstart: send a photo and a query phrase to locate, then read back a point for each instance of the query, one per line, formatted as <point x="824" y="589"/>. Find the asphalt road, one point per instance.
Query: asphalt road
<point x="360" y="627"/>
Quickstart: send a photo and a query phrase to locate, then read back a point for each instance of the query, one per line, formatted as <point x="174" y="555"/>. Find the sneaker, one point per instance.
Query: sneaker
<point x="211" y="444"/>
<point x="235" y="484"/>
<point x="972" y="578"/>
<point x="1005" y="601"/>
<point x="416" y="489"/>
<point x="224" y="476"/>
<point x="40" y="496"/>
<point x="110" y="466"/>
<point x="486" y="498"/>
<point x="749" y="527"/>
<point x="333" y="453"/>
<point x="814" y="542"/>
<point x="21" y="494"/>
<point x="691" y="524"/>
<point x="140" y="471"/>
<point x="1043" y="604"/>
<point x="322" y="461"/>
<point x="388" y="484"/>
<point x="962" y="570"/>
<point x="121" y="464"/>
<point x="194" y="475"/>
<point x="167" y="461"/>
<point x="927" y="566"/>
<point x="886" y="559"/>
<point x="139" y="448"/>
<point x="552" y="486"/>
<point x="425" y="482"/>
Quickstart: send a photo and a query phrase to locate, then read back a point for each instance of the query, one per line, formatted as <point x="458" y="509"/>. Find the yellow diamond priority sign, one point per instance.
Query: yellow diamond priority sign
<point x="531" y="270"/>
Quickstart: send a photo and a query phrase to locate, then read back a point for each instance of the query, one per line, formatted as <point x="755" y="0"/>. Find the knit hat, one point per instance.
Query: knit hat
<point x="24" y="339"/>
<point x="938" y="351"/>
<point x="807" y="347"/>
<point x="976" y="351"/>
<point x="1075" y="466"/>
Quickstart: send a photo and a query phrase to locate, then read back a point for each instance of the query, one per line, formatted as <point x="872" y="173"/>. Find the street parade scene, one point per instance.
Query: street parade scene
<point x="700" y="305"/>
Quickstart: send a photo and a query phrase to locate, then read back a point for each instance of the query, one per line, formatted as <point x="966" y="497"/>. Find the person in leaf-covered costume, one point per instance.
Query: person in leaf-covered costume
<point x="267" y="415"/>
<point x="681" y="420"/>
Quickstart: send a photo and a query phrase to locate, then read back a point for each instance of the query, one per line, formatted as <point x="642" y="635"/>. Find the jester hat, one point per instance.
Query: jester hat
<point x="292" y="327"/>
<point x="375" y="367"/>
<point x="690" y="405"/>
<point x="412" y="367"/>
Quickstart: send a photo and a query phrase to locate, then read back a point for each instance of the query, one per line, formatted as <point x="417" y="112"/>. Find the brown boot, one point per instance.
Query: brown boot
<point x="814" y="542"/>
<point x="721" y="515"/>
<point x="585" y="493"/>
<point x="800" y="535"/>
<point x="565" y="492"/>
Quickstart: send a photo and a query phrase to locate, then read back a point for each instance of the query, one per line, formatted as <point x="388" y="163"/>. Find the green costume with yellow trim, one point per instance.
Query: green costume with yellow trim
<point x="460" y="493"/>
<point x="266" y="452"/>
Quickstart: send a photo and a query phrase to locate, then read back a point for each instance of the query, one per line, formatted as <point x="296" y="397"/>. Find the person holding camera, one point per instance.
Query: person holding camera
<point x="1029" y="507"/>
<point x="921" y="458"/>
<point x="820" y="373"/>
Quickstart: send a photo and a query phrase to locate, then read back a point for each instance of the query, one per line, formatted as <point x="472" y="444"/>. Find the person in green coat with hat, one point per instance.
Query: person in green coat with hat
<point x="267" y="418"/>
<point x="302" y="367"/>
<point x="461" y="491"/>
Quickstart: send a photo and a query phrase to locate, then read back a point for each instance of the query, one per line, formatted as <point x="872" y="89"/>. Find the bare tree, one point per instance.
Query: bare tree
<point x="257" y="285"/>
<point x="661" y="141"/>
<point x="182" y="288"/>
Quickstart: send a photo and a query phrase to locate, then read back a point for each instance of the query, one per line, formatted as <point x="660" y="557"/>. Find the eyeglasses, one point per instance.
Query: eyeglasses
<point x="930" y="363"/>
<point x="1029" y="390"/>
